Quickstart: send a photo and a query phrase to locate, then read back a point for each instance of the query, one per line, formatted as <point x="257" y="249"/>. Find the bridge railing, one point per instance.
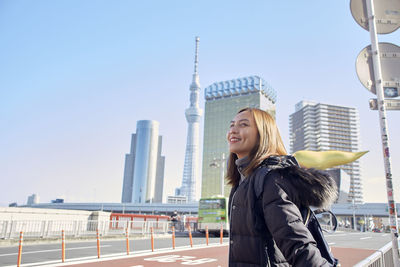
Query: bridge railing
<point x="81" y="228"/>
<point x="381" y="258"/>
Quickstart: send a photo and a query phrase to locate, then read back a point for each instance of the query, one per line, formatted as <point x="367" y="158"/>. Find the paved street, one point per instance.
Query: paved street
<point x="366" y="240"/>
<point x="52" y="252"/>
<point x="350" y="248"/>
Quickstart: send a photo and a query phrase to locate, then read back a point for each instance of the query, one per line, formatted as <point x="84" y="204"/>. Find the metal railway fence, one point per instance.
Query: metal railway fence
<point x="10" y="229"/>
<point x="82" y="228"/>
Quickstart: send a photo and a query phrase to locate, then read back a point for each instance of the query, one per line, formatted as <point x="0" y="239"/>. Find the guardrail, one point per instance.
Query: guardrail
<point x="87" y="228"/>
<point x="82" y="228"/>
<point x="383" y="257"/>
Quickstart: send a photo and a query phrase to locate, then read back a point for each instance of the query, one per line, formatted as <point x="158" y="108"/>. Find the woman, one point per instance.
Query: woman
<point x="269" y="230"/>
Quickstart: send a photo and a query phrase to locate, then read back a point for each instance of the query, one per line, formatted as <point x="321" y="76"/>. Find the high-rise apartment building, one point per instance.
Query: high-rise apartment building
<point x="144" y="166"/>
<point x="191" y="168"/>
<point x="342" y="180"/>
<point x="223" y="101"/>
<point x="319" y="127"/>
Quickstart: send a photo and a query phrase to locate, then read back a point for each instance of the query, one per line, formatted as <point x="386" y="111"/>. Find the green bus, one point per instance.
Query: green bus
<point x="213" y="212"/>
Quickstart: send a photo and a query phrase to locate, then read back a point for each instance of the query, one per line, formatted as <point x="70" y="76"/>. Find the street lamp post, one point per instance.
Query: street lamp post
<point x="220" y="162"/>
<point x="354" y="216"/>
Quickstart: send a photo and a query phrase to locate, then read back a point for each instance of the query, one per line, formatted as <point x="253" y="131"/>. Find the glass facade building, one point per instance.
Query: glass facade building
<point x="319" y="127"/>
<point x="223" y="101"/>
<point x="144" y="166"/>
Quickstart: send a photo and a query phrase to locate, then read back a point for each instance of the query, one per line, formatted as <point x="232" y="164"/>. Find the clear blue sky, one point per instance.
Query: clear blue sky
<point x="76" y="76"/>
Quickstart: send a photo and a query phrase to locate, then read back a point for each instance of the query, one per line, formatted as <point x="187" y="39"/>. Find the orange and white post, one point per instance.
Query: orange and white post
<point x="127" y="240"/>
<point x="190" y="236"/>
<point x="98" y="243"/>
<point x="152" y="238"/>
<point x="21" y="237"/>
<point x="207" y="235"/>
<point x="173" y="237"/>
<point x="221" y="234"/>
<point x="62" y="246"/>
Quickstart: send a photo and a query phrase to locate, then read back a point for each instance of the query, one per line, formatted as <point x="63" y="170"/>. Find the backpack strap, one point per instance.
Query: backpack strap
<point x="259" y="180"/>
<point x="269" y="164"/>
<point x="307" y="216"/>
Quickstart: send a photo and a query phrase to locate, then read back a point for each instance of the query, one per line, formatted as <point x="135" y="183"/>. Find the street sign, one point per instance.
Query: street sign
<point x="390" y="104"/>
<point x="387" y="14"/>
<point x="390" y="65"/>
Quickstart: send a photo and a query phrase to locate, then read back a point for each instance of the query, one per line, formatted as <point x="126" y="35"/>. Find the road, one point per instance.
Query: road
<point x="52" y="252"/>
<point x="348" y="247"/>
<point x="351" y="248"/>
<point x="366" y="240"/>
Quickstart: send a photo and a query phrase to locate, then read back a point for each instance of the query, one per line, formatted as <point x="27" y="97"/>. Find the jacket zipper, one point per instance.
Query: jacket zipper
<point x="230" y="214"/>
<point x="230" y="217"/>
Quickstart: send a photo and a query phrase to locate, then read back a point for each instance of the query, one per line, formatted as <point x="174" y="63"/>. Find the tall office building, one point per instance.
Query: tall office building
<point x="32" y="199"/>
<point x="319" y="127"/>
<point x="193" y="113"/>
<point x="223" y="101"/>
<point x="144" y="166"/>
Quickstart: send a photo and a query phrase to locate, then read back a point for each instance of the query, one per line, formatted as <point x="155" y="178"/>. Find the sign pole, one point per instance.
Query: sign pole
<point x="384" y="130"/>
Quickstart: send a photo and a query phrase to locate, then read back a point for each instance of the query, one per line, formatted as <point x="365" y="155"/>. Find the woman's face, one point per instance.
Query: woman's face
<point x="243" y="134"/>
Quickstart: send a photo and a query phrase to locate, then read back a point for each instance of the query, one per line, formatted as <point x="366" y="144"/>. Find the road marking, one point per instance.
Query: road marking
<point x="49" y="250"/>
<point x="346" y="234"/>
<point x="335" y="235"/>
<point x="185" y="260"/>
<point x="330" y="244"/>
<point x="362" y="238"/>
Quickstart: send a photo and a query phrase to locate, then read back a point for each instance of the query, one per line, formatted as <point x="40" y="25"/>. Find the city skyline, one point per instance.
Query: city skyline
<point x="71" y="90"/>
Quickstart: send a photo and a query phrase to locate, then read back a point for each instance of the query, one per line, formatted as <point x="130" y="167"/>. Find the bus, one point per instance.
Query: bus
<point x="213" y="212"/>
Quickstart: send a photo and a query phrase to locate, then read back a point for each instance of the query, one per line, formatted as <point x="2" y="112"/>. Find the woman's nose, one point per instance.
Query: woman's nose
<point x="232" y="129"/>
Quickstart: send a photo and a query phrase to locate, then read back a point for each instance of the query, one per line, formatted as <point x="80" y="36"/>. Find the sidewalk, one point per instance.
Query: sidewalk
<point x="350" y="256"/>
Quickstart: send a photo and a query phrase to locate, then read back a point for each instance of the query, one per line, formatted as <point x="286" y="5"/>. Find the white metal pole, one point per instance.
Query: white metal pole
<point x="384" y="130"/>
<point x="354" y="216"/>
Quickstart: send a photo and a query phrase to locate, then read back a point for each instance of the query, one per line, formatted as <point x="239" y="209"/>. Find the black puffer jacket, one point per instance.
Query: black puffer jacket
<point x="269" y="231"/>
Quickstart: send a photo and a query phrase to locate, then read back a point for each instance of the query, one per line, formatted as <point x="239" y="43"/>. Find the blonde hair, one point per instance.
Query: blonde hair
<point x="269" y="143"/>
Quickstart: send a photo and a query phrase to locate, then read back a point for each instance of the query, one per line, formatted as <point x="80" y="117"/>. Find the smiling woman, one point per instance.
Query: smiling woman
<point x="243" y="135"/>
<point x="267" y="229"/>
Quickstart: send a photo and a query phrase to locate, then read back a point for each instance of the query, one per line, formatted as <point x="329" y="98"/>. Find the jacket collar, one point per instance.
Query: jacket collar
<point x="241" y="164"/>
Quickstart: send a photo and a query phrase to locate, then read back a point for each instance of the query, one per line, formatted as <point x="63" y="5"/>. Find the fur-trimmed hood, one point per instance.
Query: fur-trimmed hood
<point x="311" y="187"/>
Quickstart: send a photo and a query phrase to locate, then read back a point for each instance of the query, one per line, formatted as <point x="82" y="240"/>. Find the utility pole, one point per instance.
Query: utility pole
<point x="220" y="162"/>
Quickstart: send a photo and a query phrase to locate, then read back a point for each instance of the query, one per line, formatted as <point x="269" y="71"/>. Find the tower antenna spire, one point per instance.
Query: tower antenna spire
<point x="196" y="61"/>
<point x="193" y="114"/>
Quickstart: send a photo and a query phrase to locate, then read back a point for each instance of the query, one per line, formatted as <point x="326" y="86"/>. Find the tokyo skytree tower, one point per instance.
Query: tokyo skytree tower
<point x="193" y="114"/>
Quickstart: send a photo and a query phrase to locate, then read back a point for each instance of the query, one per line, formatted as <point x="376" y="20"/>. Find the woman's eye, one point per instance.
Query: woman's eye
<point x="243" y="124"/>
